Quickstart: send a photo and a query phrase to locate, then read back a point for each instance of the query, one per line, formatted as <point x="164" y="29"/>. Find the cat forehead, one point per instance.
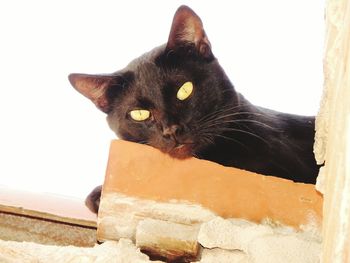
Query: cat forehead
<point x="148" y="72"/>
<point x="149" y="58"/>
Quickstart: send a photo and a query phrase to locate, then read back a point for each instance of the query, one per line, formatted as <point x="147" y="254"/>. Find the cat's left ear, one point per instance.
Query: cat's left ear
<point x="186" y="31"/>
<point x="94" y="87"/>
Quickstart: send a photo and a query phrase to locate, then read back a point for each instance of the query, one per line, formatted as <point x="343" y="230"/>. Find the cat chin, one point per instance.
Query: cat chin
<point x="181" y="152"/>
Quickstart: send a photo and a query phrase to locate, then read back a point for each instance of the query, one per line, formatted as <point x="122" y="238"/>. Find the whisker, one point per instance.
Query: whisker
<point x="238" y="130"/>
<point x="216" y="119"/>
<point x="217" y="112"/>
<point x="145" y="142"/>
<point x="228" y="138"/>
<point x="196" y="155"/>
<point x="258" y="123"/>
<point x="242" y="120"/>
<point x="234" y="114"/>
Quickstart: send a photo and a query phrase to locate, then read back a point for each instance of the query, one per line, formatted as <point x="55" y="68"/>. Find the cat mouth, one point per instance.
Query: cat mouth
<point x="181" y="151"/>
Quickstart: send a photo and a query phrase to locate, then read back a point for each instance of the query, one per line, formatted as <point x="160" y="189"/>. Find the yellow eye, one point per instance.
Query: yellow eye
<point x="185" y="91"/>
<point x="140" y="115"/>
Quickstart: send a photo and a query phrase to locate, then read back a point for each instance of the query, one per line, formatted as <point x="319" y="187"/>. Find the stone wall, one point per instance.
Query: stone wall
<point x="332" y="145"/>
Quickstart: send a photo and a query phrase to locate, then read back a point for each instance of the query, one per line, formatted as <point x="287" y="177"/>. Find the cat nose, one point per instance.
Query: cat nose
<point x="171" y="131"/>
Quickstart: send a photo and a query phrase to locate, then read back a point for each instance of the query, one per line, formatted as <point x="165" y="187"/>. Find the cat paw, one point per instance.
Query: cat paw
<point x="92" y="201"/>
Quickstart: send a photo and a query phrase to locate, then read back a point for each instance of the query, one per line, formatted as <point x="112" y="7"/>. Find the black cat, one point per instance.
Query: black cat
<point x="178" y="99"/>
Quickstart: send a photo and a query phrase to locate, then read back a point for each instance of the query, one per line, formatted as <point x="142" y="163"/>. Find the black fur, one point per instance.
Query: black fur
<point x="215" y="123"/>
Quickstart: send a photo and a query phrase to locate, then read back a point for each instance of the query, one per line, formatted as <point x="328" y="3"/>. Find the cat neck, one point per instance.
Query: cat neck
<point x="262" y="141"/>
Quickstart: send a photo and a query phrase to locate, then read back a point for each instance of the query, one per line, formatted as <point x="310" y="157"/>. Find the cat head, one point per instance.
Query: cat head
<point x="167" y="98"/>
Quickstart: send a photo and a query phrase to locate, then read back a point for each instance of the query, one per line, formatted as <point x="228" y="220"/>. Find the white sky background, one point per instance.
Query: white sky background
<point x="54" y="140"/>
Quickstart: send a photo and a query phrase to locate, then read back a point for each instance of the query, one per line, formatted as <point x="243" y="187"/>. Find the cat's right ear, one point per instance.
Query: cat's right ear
<point x="187" y="31"/>
<point x="94" y="87"/>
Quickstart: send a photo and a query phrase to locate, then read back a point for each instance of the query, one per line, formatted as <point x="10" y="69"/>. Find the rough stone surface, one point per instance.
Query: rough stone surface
<point x="332" y="144"/>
